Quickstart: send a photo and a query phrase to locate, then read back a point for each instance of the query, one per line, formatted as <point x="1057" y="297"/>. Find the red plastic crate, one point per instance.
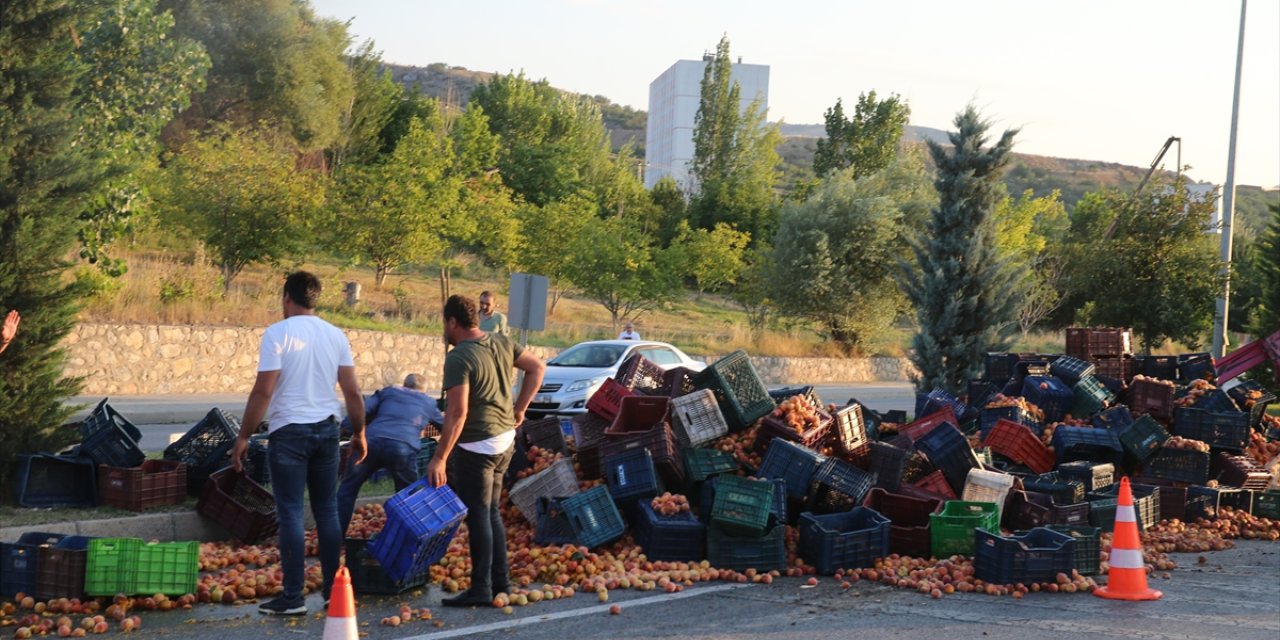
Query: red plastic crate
<point x="774" y="427"/>
<point x="923" y="426"/>
<point x="936" y="483"/>
<point x="909" y="520"/>
<point x="1085" y="343"/>
<point x="1153" y="398"/>
<point x="239" y="505"/>
<point x="154" y="484"/>
<point x="1243" y="472"/>
<point x="640" y="374"/>
<point x="1016" y="442"/>
<point x="607" y="400"/>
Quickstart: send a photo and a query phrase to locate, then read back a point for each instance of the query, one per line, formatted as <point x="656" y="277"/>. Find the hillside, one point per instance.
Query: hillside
<point x="1042" y="174"/>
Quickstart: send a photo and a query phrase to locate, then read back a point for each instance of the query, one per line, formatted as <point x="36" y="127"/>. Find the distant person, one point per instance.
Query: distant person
<point x="491" y="320"/>
<point x="9" y="329"/>
<point x="394" y="438"/>
<point x="300" y="359"/>
<point x="480" y="419"/>
<point x="629" y="332"/>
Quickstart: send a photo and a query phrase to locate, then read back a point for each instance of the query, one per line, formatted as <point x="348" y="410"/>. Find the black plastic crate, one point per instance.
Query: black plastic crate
<point x="871" y="418"/>
<point x="1163" y="367"/>
<point x="1196" y="366"/>
<point x="1071" y="370"/>
<point x="107" y="437"/>
<point x="257" y="467"/>
<point x="1173" y="496"/>
<point x="1220" y="429"/>
<point x="1183" y="465"/>
<point x="847" y="540"/>
<point x="205" y="448"/>
<point x="45" y="480"/>
<point x="1115" y="418"/>
<point x="949" y="451"/>
<point x="1205" y="502"/>
<point x="545" y="433"/>
<point x="838" y="486"/>
<point x="1062" y="490"/>
<point x="368" y="576"/>
<point x="1253" y="398"/>
<point x="678" y="538"/>
<point x="1141" y="438"/>
<point x="998" y="367"/>
<point x="1086" y="443"/>
<point x="939" y="399"/>
<point x="1094" y="476"/>
<point x="767" y="552"/>
<point x="1146" y="502"/>
<point x="1216" y="400"/>
<point x="1037" y="556"/>
<point x="808" y="392"/>
<point x="631" y="476"/>
<point x="792" y="463"/>
<point x="989" y="417"/>
<point x="553" y="526"/>
<point x="105" y="417"/>
<point x="1087" y="559"/>
<point x="887" y="463"/>
<point x="1050" y="394"/>
<point x="1102" y="513"/>
<point x="980" y="393"/>
<point x="20" y="560"/>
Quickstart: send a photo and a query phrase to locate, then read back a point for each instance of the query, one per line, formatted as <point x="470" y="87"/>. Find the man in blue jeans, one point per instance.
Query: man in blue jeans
<point x="299" y="360"/>
<point x="394" y="439"/>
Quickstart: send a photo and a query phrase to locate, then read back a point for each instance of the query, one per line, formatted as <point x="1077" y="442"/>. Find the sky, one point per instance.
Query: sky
<point x="1106" y="80"/>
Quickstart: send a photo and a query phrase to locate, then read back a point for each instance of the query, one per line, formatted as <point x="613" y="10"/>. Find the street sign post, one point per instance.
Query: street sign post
<point x="527" y="310"/>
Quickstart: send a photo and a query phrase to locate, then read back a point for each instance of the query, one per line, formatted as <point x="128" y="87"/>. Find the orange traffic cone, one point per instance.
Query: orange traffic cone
<point x="1127" y="577"/>
<point x="341" y="623"/>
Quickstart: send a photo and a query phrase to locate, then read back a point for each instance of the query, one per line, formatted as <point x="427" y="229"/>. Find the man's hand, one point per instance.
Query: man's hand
<point x="238" y="454"/>
<point x="359" y="448"/>
<point x="519" y="418"/>
<point x="437" y="475"/>
<point x="10" y="328"/>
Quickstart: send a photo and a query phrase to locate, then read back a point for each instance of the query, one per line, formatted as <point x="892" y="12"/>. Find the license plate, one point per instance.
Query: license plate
<point x="542" y="398"/>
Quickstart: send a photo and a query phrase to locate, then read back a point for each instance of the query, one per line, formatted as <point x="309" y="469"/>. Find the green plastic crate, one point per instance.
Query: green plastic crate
<point x="700" y="464"/>
<point x="1267" y="504"/>
<point x="167" y="567"/>
<point x="951" y="530"/>
<point x="739" y="391"/>
<point x="742" y="506"/>
<point x="111" y="566"/>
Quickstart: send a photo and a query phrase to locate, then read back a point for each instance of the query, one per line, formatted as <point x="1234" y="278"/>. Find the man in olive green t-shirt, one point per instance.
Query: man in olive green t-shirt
<point x="491" y="320"/>
<point x="480" y="419"/>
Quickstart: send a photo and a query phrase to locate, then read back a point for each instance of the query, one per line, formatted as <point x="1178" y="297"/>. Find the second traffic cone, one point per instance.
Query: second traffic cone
<point x="1127" y="577"/>
<point x="341" y="622"/>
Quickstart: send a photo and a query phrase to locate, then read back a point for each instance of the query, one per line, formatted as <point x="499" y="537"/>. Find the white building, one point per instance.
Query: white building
<point x="673" y="104"/>
<point x="1201" y="190"/>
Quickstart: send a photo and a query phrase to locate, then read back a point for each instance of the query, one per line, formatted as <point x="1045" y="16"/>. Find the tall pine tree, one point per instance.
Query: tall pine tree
<point x="1266" y="317"/>
<point x="962" y="291"/>
<point x="44" y="177"/>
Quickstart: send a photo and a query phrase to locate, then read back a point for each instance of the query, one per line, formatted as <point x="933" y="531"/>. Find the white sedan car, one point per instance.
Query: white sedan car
<point x="577" y="372"/>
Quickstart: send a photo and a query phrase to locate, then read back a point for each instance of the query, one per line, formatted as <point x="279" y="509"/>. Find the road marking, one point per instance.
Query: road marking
<point x="577" y="613"/>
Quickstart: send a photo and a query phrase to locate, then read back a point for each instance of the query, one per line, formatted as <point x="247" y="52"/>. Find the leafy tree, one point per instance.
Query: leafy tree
<point x="964" y="294"/>
<point x="668" y="212"/>
<point x="138" y="78"/>
<point x="612" y="262"/>
<point x="1159" y="272"/>
<point x="735" y="161"/>
<point x="1029" y="234"/>
<point x="240" y="192"/>
<point x="272" y="61"/>
<point x="712" y="258"/>
<point x="548" y="232"/>
<point x="375" y="99"/>
<point x="755" y="288"/>
<point x="44" y="178"/>
<point x="1265" y="318"/>
<point x="835" y="253"/>
<point x="866" y="142"/>
<point x="483" y="197"/>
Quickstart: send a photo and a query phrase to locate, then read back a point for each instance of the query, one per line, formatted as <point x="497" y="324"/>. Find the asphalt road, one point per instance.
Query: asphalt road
<point x="1232" y="596"/>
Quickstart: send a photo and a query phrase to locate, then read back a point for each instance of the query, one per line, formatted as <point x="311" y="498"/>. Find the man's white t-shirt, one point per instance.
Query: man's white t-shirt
<point x="628" y="335"/>
<point x="491" y="446"/>
<point x="307" y="352"/>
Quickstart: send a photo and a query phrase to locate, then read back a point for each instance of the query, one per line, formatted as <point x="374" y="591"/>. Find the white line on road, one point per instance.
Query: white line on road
<point x="576" y="613"/>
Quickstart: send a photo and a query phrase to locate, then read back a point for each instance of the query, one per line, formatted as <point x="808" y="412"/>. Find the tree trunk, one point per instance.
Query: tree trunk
<point x="556" y="294"/>
<point x="380" y="274"/>
<point x="229" y="272"/>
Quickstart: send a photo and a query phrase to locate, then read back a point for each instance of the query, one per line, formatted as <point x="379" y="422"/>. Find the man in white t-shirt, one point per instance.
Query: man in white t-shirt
<point x="629" y="332"/>
<point x="299" y="360"/>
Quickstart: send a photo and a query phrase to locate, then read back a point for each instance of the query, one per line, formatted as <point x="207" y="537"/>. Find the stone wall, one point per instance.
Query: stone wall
<point x="144" y="359"/>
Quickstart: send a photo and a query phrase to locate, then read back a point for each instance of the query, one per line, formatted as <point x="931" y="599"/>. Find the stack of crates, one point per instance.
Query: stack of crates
<point x="744" y="531"/>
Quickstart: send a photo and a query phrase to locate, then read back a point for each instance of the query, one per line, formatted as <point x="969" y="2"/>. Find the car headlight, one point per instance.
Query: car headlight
<point x="583" y="384"/>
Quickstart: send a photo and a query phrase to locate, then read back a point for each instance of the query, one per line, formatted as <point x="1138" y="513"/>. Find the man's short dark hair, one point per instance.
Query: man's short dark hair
<point x="486" y="294"/>
<point x="303" y="288"/>
<point x="463" y="310"/>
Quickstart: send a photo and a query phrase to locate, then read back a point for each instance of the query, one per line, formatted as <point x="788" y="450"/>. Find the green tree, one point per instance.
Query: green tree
<point x="735" y="159"/>
<point x="395" y="212"/>
<point x="483" y="197"/>
<point x="1029" y="234"/>
<point x="866" y="142"/>
<point x="548" y="232"/>
<point x="964" y="294"/>
<point x="1159" y="272"/>
<point x="44" y="178"/>
<point x="712" y="258"/>
<point x="1265" y="318"/>
<point x="241" y="193"/>
<point x="835" y="253"/>
<point x="755" y="287"/>
<point x="613" y="263"/>
<point x="272" y="61"/>
<point x="669" y="211"/>
<point x="374" y="100"/>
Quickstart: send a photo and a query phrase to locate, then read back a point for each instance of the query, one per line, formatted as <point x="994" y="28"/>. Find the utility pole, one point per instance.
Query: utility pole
<point x="1220" y="319"/>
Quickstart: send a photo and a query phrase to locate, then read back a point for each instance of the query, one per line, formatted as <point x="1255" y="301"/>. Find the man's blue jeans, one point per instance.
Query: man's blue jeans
<point x="305" y="456"/>
<point x="396" y="456"/>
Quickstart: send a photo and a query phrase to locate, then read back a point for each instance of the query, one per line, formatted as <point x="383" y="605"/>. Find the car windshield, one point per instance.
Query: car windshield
<point x="589" y="355"/>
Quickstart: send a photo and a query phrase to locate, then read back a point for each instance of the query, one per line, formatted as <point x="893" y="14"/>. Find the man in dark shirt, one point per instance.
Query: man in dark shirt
<point x="394" y="439"/>
<point x="480" y="419"/>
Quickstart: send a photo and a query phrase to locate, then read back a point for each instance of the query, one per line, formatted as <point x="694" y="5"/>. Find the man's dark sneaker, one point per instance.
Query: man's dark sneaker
<point x="284" y="607"/>
<point x="468" y="599"/>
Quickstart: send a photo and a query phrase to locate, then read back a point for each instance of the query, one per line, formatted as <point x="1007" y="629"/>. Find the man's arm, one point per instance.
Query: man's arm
<point x="455" y="415"/>
<point x="355" y="410"/>
<point x="254" y="410"/>
<point x="533" y="369"/>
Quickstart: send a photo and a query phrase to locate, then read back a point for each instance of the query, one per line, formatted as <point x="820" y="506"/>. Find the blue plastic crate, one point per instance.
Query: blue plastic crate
<point x="594" y="517"/>
<point x="792" y="463"/>
<point x="424" y="455"/>
<point x="1086" y="443"/>
<point x="552" y="526"/>
<point x="998" y="367"/>
<point x="1050" y="394"/>
<point x="19" y="561"/>
<point x="1115" y="418"/>
<point x="838" y="486"/>
<point x="678" y="538"/>
<point x="1036" y="556"/>
<point x="1163" y="367"/>
<point x="1071" y="370"/>
<point x="849" y="540"/>
<point x="1183" y="465"/>
<point x="368" y="576"/>
<point x="104" y="417"/>
<point x="950" y="453"/>
<point x="107" y="437"/>
<point x="1253" y="398"/>
<point x="1196" y="366"/>
<point x="980" y="393"/>
<point x="631" y="476"/>
<point x="989" y="417"/>
<point x="1216" y="400"/>
<point x="421" y="521"/>
<point x="939" y="399"/>
<point x="1220" y="429"/>
<point x="45" y="480"/>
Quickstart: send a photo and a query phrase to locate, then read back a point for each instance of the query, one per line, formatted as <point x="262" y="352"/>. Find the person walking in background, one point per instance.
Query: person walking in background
<point x="491" y="320"/>
<point x="393" y="437"/>
<point x="300" y="359"/>
<point x="629" y="332"/>
<point x="480" y="419"/>
<point x="9" y="329"/>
